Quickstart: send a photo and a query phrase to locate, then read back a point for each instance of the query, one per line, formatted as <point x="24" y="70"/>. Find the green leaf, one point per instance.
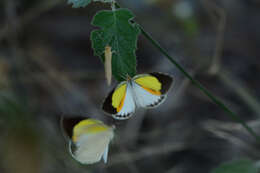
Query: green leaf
<point x="237" y="166"/>
<point x="104" y="1"/>
<point x="117" y="32"/>
<point x="79" y="3"/>
<point x="84" y="3"/>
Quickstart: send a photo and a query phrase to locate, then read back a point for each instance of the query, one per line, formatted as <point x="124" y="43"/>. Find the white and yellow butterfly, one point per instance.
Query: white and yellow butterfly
<point x="144" y="90"/>
<point x="88" y="139"/>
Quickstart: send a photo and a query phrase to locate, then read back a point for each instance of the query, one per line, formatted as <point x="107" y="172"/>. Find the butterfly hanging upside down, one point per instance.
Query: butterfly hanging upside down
<point x="144" y="90"/>
<point x="88" y="139"/>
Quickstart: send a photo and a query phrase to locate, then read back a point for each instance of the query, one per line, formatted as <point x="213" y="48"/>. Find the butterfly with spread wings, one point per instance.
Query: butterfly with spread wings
<point x="144" y="90"/>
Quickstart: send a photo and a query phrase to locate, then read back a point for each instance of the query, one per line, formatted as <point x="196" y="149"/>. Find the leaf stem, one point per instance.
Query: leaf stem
<point x="218" y="102"/>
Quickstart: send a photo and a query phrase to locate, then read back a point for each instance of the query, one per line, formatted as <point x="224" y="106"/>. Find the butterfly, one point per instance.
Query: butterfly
<point x="88" y="139"/>
<point x="144" y="90"/>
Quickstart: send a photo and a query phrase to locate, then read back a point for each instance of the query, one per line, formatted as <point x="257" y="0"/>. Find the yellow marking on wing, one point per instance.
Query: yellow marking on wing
<point x="88" y="122"/>
<point x="158" y="93"/>
<point x="118" y="96"/>
<point x="118" y="109"/>
<point x="88" y="126"/>
<point x="149" y="82"/>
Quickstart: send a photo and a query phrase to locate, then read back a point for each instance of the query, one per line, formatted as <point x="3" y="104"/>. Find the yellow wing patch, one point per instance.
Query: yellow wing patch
<point x="118" y="97"/>
<point x="150" y="84"/>
<point x="87" y="127"/>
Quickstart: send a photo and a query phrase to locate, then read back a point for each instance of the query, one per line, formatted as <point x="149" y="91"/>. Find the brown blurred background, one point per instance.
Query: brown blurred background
<point x="47" y="68"/>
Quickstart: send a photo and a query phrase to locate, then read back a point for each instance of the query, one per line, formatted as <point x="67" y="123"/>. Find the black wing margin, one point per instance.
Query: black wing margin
<point x="165" y="79"/>
<point x="107" y="105"/>
<point x="67" y="124"/>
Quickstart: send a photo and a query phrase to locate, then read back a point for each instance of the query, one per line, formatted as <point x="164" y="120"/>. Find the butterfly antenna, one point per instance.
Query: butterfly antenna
<point x="128" y="77"/>
<point x="123" y="76"/>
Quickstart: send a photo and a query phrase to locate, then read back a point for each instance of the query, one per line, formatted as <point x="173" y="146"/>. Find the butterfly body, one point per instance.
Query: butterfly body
<point x="145" y="90"/>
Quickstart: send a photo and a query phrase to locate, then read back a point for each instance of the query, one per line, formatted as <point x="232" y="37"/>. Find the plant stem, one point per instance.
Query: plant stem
<point x="199" y="85"/>
<point x="231" y="114"/>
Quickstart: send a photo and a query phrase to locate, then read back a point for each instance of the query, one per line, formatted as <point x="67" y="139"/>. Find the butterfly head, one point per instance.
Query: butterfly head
<point x="126" y="77"/>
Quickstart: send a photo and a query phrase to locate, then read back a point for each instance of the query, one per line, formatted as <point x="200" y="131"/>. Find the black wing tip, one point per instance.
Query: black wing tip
<point x="165" y="79"/>
<point x="161" y="74"/>
<point x="107" y="104"/>
<point x="67" y="124"/>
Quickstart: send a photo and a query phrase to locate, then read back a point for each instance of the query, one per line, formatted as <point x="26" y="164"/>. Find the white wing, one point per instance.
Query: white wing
<point x="129" y="105"/>
<point x="91" y="147"/>
<point x="144" y="98"/>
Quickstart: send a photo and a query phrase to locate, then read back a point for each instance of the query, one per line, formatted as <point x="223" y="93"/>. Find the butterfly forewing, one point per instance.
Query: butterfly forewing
<point x="165" y="79"/>
<point x="120" y="102"/>
<point x="150" y="89"/>
<point x="67" y="125"/>
<point x="144" y="97"/>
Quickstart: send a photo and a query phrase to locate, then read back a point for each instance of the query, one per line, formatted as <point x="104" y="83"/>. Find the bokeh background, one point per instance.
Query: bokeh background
<point x="47" y="69"/>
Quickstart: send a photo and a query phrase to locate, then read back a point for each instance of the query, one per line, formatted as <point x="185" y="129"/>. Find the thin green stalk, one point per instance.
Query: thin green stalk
<point x="197" y="83"/>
